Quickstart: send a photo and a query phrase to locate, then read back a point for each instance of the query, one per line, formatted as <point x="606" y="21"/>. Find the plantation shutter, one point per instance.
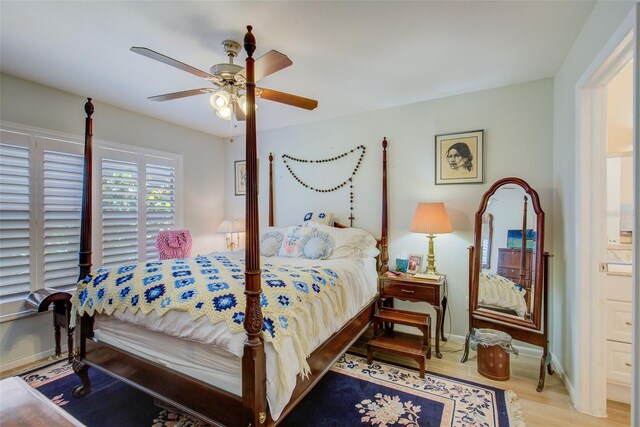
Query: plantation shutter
<point x="160" y="204"/>
<point x="120" y="210"/>
<point x="15" y="217"/>
<point x="62" y="202"/>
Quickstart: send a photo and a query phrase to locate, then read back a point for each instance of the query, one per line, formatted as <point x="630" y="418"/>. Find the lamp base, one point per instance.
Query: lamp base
<point x="231" y="245"/>
<point x="431" y="258"/>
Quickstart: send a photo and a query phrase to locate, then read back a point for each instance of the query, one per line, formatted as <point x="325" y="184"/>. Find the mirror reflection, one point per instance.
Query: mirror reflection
<point x="508" y="254"/>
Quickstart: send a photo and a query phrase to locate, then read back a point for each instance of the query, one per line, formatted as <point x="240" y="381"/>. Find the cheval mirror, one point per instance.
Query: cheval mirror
<point x="508" y="268"/>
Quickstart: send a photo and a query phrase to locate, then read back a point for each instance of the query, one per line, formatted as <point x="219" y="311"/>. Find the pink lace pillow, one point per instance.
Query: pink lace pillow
<point x="173" y="244"/>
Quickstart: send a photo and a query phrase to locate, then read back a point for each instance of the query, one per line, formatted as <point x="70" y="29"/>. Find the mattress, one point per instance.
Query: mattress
<point x="212" y="353"/>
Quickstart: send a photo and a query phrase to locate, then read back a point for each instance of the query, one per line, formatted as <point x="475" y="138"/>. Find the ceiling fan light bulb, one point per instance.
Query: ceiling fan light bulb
<point x="242" y="101"/>
<point x="219" y="99"/>
<point x="243" y="104"/>
<point x="224" y="113"/>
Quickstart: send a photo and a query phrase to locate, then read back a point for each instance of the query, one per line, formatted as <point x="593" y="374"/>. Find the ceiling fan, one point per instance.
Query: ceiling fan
<point x="229" y="81"/>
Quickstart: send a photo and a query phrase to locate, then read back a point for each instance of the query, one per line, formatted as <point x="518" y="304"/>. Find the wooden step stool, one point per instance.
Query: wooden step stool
<point x="385" y="341"/>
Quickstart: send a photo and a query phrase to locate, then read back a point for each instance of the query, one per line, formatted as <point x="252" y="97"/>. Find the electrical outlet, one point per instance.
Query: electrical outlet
<point x="466" y="304"/>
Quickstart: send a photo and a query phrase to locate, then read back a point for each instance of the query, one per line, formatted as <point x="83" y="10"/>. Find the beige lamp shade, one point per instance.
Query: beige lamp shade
<point x="430" y="218"/>
<point x="231" y="226"/>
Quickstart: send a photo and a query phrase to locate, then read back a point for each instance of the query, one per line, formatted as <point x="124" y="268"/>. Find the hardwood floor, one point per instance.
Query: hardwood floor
<point x="552" y="407"/>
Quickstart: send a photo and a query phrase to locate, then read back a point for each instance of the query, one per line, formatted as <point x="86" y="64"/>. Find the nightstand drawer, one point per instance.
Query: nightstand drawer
<point x="408" y="291"/>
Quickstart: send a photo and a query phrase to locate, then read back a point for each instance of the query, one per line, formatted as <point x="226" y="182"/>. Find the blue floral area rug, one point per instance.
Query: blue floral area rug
<point x="352" y="393"/>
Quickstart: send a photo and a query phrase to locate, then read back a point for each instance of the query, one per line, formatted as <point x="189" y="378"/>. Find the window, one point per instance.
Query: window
<point x="137" y="199"/>
<point x="15" y="216"/>
<point x="40" y="205"/>
<point x="61" y="207"/>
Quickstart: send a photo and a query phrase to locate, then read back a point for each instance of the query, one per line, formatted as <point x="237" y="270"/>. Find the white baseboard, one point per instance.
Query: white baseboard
<point x="619" y="393"/>
<point x="523" y="350"/>
<point x="13" y="364"/>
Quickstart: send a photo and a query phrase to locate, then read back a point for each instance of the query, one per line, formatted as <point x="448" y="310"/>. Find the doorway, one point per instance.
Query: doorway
<point x="605" y="304"/>
<point x="618" y="284"/>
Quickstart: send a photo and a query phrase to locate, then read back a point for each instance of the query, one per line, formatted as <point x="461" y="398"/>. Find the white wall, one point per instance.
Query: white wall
<point x="517" y="121"/>
<point x="31" y="104"/>
<point x="603" y="21"/>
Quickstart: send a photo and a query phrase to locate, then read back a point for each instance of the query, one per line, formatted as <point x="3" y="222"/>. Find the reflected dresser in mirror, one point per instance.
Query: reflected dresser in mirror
<point x="508" y="268"/>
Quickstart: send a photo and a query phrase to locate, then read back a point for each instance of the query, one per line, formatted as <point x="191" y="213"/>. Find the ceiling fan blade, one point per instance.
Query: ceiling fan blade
<point x="240" y="116"/>
<point x="170" y="61"/>
<point x="287" y="98"/>
<point x="268" y="63"/>
<point x="182" y="94"/>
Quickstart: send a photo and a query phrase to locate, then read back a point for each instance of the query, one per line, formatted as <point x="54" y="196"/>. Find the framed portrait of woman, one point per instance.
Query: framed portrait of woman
<point x="459" y="158"/>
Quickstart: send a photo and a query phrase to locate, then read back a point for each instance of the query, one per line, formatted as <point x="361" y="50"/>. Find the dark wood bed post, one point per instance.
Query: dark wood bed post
<point x="384" y="251"/>
<point x="271" y="220"/>
<point x="84" y="256"/>
<point x="254" y="382"/>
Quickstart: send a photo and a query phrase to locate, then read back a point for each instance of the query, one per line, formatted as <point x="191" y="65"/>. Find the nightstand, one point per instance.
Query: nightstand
<point x="408" y="288"/>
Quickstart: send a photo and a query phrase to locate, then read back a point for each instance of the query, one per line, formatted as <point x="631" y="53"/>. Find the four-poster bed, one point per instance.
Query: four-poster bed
<point x="214" y="404"/>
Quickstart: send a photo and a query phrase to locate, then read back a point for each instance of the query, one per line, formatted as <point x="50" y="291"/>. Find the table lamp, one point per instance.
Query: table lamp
<point x="230" y="227"/>
<point x="431" y="219"/>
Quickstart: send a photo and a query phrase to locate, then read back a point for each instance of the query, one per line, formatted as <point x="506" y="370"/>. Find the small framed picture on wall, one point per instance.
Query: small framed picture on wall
<point x="415" y="263"/>
<point x="459" y="158"/>
<point x="241" y="177"/>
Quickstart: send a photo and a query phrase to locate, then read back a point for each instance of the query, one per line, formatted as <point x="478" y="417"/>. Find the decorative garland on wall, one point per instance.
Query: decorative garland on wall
<point x="286" y="158"/>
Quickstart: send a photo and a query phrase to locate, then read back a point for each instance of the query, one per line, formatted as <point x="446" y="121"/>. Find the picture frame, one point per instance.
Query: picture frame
<point x="240" y="168"/>
<point x="415" y="263"/>
<point x="514" y="239"/>
<point x="459" y="157"/>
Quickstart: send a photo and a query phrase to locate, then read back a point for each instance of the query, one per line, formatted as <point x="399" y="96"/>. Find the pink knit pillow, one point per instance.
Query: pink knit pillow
<point x="174" y="244"/>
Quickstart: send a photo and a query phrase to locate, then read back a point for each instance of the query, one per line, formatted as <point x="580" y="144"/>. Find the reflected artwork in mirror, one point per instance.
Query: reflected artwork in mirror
<point x="507" y="271"/>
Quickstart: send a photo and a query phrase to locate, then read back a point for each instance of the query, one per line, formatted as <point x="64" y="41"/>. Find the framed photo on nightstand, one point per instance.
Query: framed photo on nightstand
<point x="415" y="263"/>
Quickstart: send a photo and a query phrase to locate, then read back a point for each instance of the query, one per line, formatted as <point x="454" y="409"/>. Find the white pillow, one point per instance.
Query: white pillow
<point x="325" y="218"/>
<point x="291" y="244"/>
<point x="316" y="245"/>
<point x="271" y="241"/>
<point x="349" y="242"/>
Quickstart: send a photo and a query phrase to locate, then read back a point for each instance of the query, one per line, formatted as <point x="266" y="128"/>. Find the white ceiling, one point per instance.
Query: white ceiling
<point x="351" y="56"/>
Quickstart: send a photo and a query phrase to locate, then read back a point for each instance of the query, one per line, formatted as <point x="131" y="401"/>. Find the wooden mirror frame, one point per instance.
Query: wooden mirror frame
<point x="536" y="321"/>
<point x="533" y="332"/>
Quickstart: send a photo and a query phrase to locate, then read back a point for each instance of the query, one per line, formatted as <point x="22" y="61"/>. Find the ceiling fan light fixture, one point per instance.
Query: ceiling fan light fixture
<point x="242" y="101"/>
<point x="220" y="99"/>
<point x="224" y="113"/>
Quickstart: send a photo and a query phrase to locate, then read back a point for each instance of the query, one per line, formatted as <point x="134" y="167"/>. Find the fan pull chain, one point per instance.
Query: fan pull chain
<point x="286" y="158"/>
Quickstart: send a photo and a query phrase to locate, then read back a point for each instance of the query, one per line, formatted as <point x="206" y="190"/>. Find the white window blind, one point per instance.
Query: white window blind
<point x="62" y="201"/>
<point x="120" y="210"/>
<point x="160" y="204"/>
<point x="135" y="194"/>
<point x="15" y="220"/>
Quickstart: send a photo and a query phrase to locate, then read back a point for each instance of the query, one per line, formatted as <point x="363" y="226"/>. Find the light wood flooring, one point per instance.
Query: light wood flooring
<point x="551" y="407"/>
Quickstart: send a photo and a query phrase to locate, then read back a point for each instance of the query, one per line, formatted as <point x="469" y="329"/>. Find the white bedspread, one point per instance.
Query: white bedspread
<point x="360" y="281"/>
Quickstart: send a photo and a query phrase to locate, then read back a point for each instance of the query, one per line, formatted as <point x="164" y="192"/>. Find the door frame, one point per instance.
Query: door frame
<point x="590" y="242"/>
